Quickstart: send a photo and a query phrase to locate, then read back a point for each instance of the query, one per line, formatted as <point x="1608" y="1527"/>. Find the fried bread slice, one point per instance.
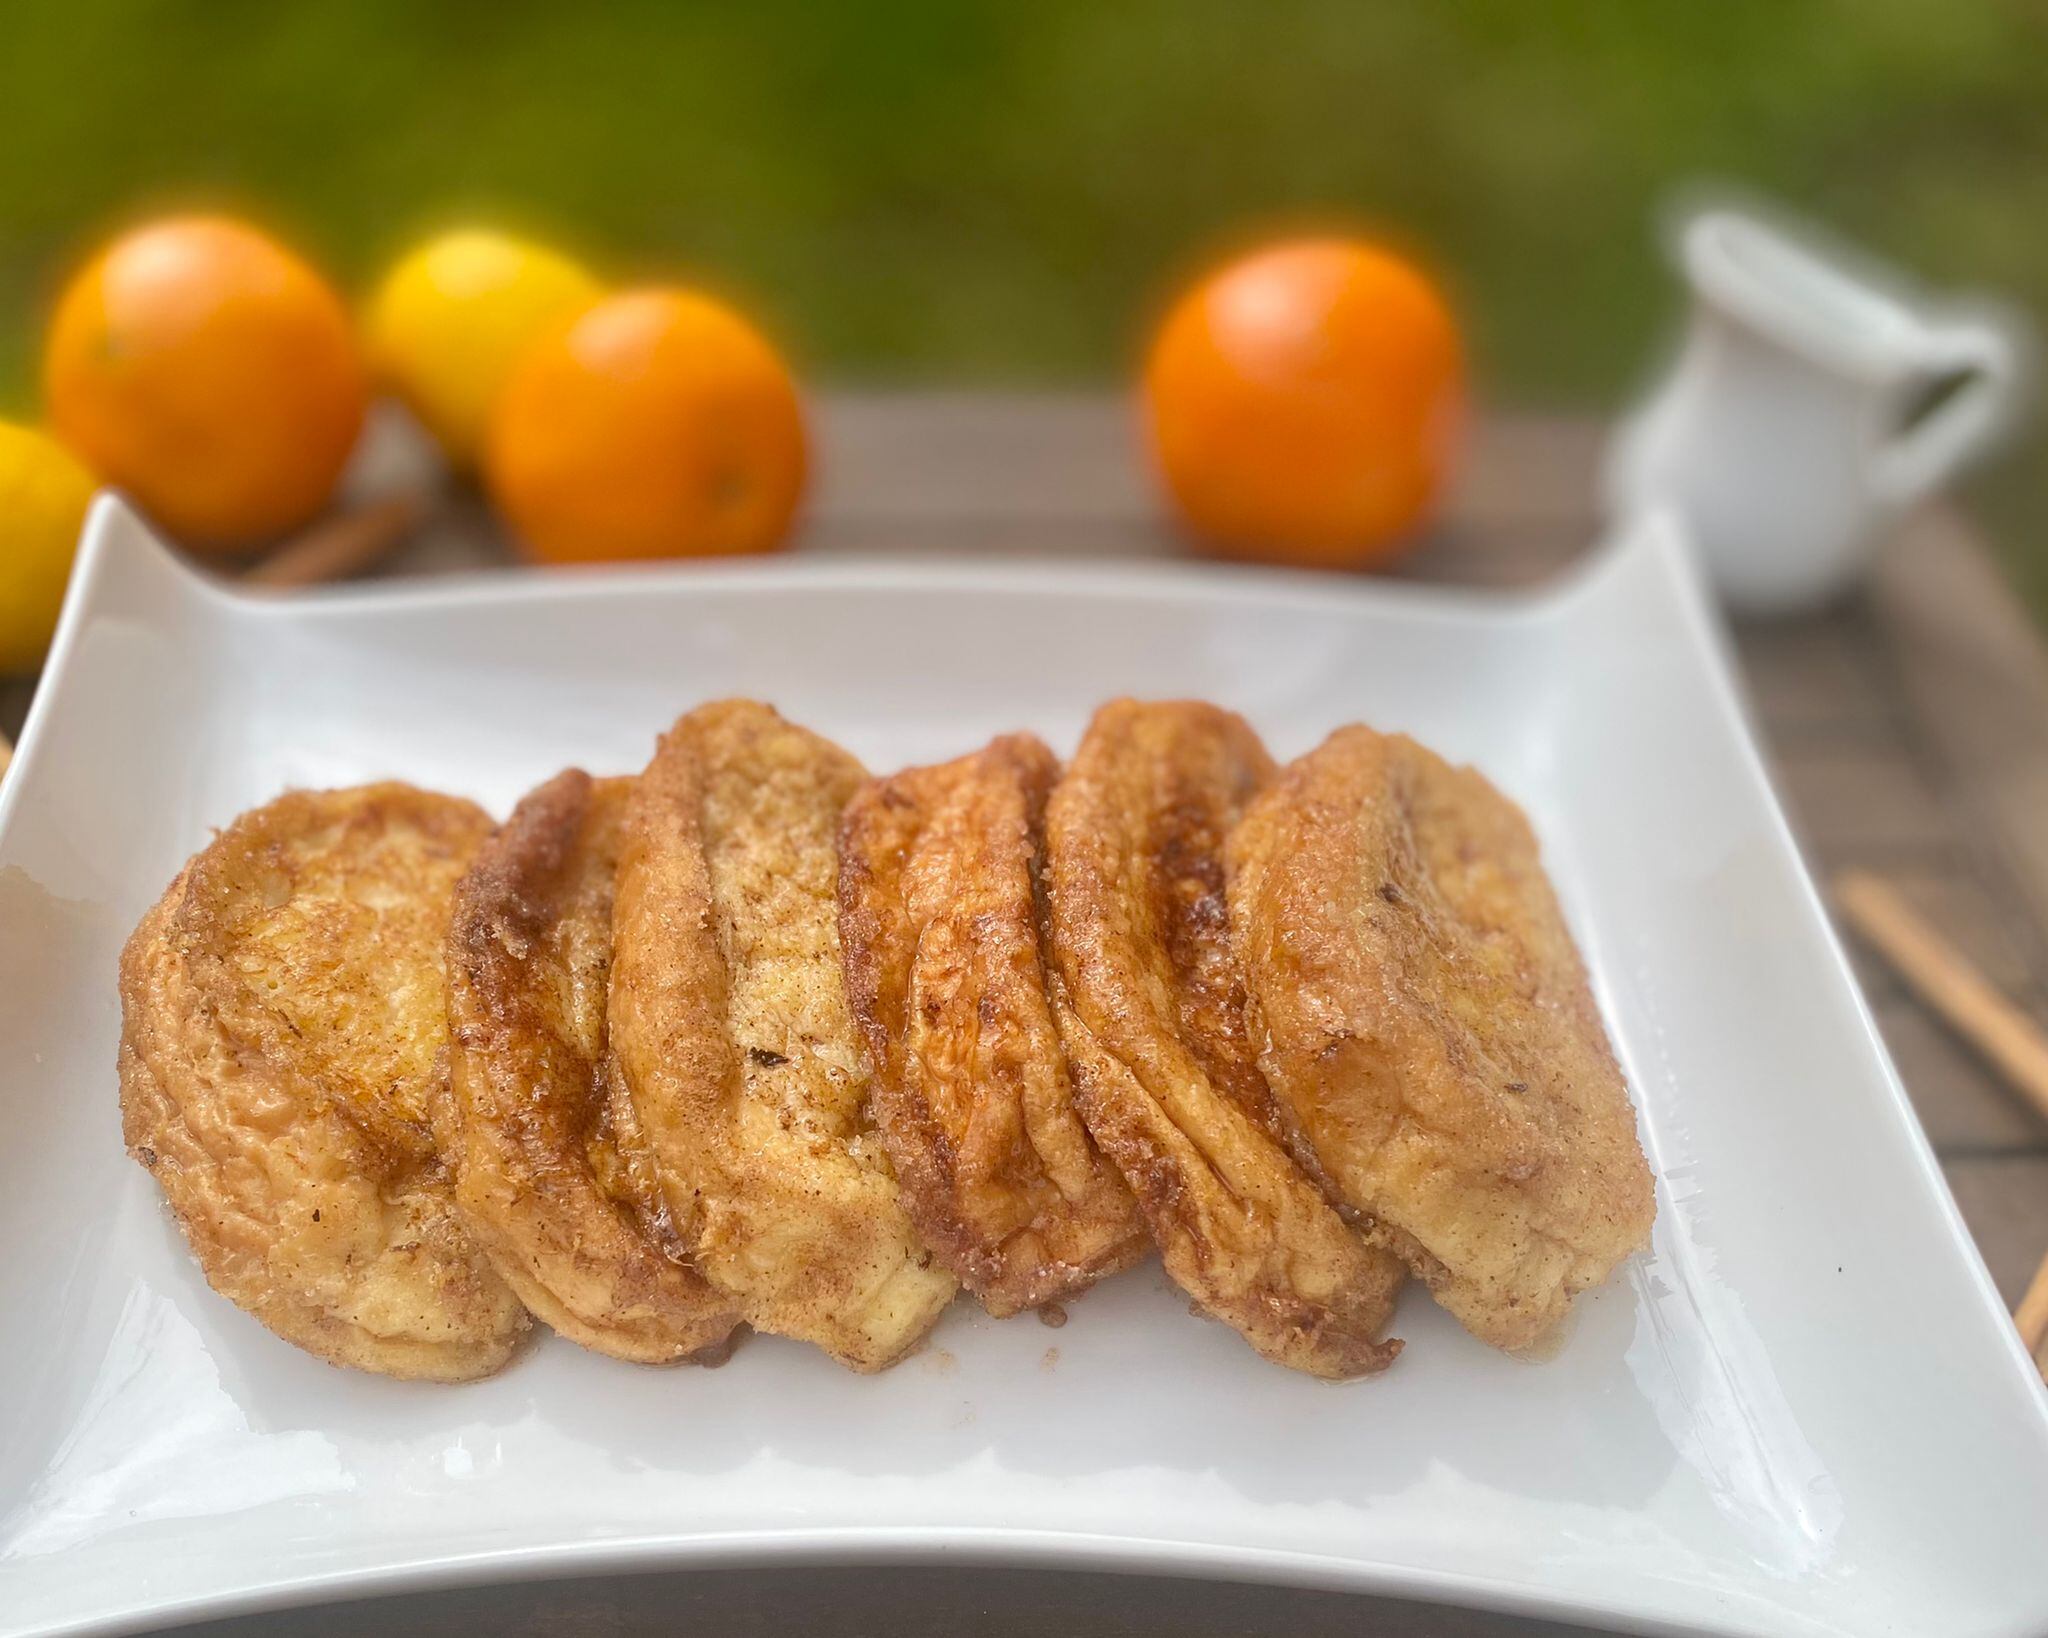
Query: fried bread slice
<point x="284" y="1039"/>
<point x="942" y="923"/>
<point x="576" y="1226"/>
<point x="1151" y="1006"/>
<point x="730" y="1024"/>
<point x="1426" y="1020"/>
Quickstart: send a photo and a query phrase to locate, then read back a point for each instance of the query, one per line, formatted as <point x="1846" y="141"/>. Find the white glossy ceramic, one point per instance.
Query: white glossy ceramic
<point x="1784" y="433"/>
<point x="1803" y="1412"/>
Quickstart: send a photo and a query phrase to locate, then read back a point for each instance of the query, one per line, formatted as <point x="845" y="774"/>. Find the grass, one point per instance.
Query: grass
<point x="999" y="193"/>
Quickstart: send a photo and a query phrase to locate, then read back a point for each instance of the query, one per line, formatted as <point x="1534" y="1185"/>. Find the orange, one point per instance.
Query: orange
<point x="205" y="369"/>
<point x="656" y="423"/>
<point x="1303" y="401"/>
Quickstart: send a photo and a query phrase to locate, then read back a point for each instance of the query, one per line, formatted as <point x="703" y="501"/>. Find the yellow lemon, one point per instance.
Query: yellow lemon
<point x="43" y="496"/>
<point x="449" y="320"/>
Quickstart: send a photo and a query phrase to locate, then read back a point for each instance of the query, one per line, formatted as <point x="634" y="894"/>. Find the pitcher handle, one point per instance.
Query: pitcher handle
<point x="1923" y="456"/>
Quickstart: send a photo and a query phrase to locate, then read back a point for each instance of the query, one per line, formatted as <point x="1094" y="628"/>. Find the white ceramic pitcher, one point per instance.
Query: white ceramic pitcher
<point x="1785" y="434"/>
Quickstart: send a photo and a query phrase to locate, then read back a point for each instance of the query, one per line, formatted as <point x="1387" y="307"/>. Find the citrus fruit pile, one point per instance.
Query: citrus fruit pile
<point x="221" y="382"/>
<point x="1301" y="403"/>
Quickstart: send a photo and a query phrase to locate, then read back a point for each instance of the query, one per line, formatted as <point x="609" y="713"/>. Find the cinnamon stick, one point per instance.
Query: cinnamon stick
<point x="1946" y="980"/>
<point x="342" y="545"/>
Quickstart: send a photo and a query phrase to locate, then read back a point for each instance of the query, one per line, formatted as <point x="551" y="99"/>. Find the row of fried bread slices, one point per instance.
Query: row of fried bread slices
<point x="754" y="1038"/>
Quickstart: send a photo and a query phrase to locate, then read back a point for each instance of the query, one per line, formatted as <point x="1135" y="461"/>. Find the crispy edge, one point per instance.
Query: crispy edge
<point x="811" y="1239"/>
<point x="276" y="1246"/>
<point x="1151" y="1007"/>
<point x="941" y="921"/>
<point x="1394" y="1094"/>
<point x="527" y="1126"/>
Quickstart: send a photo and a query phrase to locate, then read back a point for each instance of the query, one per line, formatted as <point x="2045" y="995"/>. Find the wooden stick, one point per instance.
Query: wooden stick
<point x="1944" y="978"/>
<point x="2032" y="1314"/>
<point x="6" y="755"/>
<point x="342" y="545"/>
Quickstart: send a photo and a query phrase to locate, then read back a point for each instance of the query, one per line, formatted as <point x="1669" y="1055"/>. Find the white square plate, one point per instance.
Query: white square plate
<point x="1803" y="1412"/>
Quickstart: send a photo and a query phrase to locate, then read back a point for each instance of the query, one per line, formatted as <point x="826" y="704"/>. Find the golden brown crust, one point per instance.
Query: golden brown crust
<point x="1151" y="1006"/>
<point x="941" y="920"/>
<point x="284" y="1040"/>
<point x="731" y="1028"/>
<point x="567" y="1218"/>
<point x="1425" y="1017"/>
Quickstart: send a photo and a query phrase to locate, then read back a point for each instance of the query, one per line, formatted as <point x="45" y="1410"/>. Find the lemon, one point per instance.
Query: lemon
<point x="43" y="496"/>
<point x="448" y="321"/>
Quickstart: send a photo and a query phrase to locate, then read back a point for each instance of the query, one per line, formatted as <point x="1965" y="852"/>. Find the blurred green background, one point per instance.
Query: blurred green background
<point x="999" y="193"/>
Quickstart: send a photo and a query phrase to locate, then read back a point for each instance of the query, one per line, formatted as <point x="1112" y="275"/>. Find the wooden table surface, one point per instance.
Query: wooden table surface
<point x="1909" y="734"/>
